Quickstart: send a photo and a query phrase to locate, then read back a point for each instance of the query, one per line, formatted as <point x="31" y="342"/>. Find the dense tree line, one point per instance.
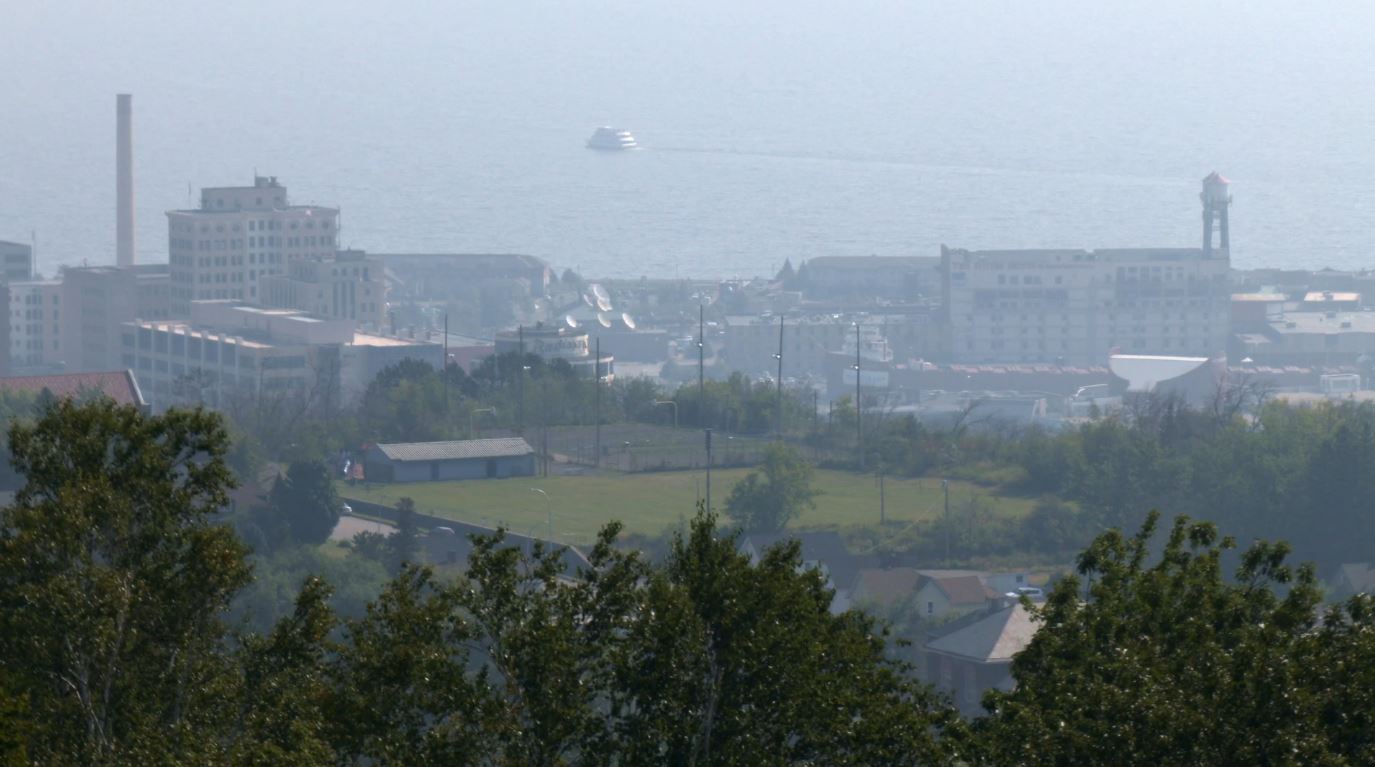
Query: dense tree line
<point x="117" y="577"/>
<point x="1302" y="474"/>
<point x="1305" y="474"/>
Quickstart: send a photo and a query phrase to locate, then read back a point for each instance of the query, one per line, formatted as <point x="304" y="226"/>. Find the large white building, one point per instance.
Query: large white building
<point x="35" y="325"/>
<point x="238" y="236"/>
<point x="97" y="300"/>
<point x="229" y="349"/>
<point x="347" y="285"/>
<point x="1075" y="306"/>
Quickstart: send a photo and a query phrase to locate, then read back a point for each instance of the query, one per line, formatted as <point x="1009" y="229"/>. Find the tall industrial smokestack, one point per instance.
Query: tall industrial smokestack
<point x="124" y="180"/>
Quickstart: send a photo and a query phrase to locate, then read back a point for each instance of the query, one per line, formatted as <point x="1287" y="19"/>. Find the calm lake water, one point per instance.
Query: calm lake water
<point x="771" y="129"/>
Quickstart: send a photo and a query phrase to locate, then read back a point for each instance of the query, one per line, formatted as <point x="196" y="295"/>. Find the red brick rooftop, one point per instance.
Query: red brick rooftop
<point x="118" y="385"/>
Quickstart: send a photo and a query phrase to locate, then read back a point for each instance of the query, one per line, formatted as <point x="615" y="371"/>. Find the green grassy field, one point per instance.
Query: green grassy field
<point x="651" y="503"/>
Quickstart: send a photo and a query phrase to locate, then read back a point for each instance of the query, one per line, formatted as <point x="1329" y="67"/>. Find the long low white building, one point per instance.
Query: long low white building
<point x="230" y="349"/>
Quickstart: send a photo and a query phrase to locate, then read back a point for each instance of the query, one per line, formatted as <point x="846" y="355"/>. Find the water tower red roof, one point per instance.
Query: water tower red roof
<point x="1216" y="178"/>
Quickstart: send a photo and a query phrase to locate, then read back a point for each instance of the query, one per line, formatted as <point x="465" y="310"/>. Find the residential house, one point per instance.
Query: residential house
<point x="974" y="655"/>
<point x="952" y="592"/>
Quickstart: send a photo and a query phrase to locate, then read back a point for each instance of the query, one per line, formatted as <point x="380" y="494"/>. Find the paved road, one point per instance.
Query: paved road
<point x="351" y="526"/>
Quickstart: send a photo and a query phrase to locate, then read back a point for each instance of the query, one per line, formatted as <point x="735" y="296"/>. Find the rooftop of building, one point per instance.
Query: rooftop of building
<point x="1324" y="322"/>
<point x="475" y="258"/>
<point x="11" y="243"/>
<point x="1258" y="298"/>
<point x="307" y="209"/>
<point x="155" y="269"/>
<point x="118" y="385"/>
<point x="790" y="320"/>
<point x="963" y="589"/>
<point x="499" y="447"/>
<point x="181" y="327"/>
<point x="1103" y="255"/>
<point x="255" y="339"/>
<point x="993" y="638"/>
<point x="1144" y="372"/>
<point x="871" y="262"/>
<point x="1331" y="297"/>
<point x="372" y="339"/>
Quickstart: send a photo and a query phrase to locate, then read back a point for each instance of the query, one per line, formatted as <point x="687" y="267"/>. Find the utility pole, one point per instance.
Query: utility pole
<point x="597" y="413"/>
<point x="882" y="507"/>
<point x="544" y="428"/>
<point x="520" y="382"/>
<point x="859" y="405"/>
<point x="708" y="433"/>
<point x="779" y="427"/>
<point x="945" y="486"/>
<point x="701" y="374"/>
<point x="444" y="368"/>
<point x="816" y="422"/>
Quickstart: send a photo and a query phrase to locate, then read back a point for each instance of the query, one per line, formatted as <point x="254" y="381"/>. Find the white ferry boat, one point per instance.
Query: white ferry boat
<point x="612" y="140"/>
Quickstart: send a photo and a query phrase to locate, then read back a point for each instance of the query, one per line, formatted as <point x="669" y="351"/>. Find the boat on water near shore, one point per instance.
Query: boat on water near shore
<point x="611" y="140"/>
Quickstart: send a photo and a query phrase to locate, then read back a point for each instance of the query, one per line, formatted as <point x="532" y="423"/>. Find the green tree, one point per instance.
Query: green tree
<point x="112" y="580"/>
<point x="1173" y="663"/>
<point x="770" y="497"/>
<point x="402" y="687"/>
<point x="405" y="542"/>
<point x="308" y="501"/>
<point x="281" y="717"/>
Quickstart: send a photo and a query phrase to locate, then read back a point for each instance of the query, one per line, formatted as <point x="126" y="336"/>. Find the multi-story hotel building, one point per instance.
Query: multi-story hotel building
<point x="1075" y="306"/>
<point x="239" y="235"/>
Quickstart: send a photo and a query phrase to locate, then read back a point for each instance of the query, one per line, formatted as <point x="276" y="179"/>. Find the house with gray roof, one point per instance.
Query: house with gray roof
<point x="975" y="654"/>
<point x="458" y="459"/>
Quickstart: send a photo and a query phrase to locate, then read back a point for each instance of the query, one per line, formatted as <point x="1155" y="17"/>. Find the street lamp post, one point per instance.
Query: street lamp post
<point x="779" y="357"/>
<point x="548" y="511"/>
<point x="859" y="403"/>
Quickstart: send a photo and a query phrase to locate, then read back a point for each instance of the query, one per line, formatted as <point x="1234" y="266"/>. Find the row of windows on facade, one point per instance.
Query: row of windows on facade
<point x="997" y="318"/>
<point x="172" y="367"/>
<point x="31" y="329"/>
<point x="36" y="298"/>
<point x="1214" y="303"/>
<point x="194" y="385"/>
<point x="33" y="344"/>
<point x="255" y="225"/>
<point x="219" y="201"/>
<point x="223" y="277"/>
<point x="1112" y="330"/>
<point x="210" y="295"/>
<point x="232" y="243"/>
<point x="31" y="314"/>
<point x="1135" y="344"/>
<point x="202" y="349"/>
